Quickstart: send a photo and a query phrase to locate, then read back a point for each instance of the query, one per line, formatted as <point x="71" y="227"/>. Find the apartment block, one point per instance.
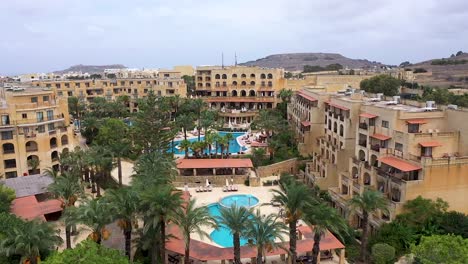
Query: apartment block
<point x="34" y="130"/>
<point x="166" y="83"/>
<point x="239" y="92"/>
<point x="402" y="150"/>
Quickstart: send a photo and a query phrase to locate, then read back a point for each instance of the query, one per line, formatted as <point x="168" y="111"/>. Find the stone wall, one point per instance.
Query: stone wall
<point x="288" y="166"/>
<point x="217" y="181"/>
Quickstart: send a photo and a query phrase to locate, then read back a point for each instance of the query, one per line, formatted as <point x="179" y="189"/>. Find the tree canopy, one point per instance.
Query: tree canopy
<point x="383" y="83"/>
<point x="7" y="195"/>
<point x="441" y="249"/>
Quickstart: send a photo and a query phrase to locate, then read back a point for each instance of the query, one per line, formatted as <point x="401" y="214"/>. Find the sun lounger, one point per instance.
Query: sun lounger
<point x="225" y="189"/>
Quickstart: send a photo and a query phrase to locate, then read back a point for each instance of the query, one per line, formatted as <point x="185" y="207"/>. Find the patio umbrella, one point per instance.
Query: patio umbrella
<point x="232" y="180"/>
<point x="227" y="182"/>
<point x="207" y="183"/>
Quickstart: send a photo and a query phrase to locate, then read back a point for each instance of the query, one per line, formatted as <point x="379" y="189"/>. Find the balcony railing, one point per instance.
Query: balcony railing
<point x="31" y="149"/>
<point x="363" y="126"/>
<point x="375" y="147"/>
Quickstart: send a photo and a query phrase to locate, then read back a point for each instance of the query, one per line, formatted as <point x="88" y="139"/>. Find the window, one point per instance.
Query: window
<point x="45" y="98"/>
<point x="40" y="116"/>
<point x="399" y="146"/>
<point x="33" y="99"/>
<point x="41" y="129"/>
<point x="51" y="127"/>
<point x="10" y="163"/>
<point x="24" y="115"/>
<point x="59" y="93"/>
<point x="50" y="114"/>
<point x="7" y="135"/>
<point x="5" y="120"/>
<point x="11" y="174"/>
<point x="372" y="122"/>
<point x="385" y="124"/>
<point x="413" y="128"/>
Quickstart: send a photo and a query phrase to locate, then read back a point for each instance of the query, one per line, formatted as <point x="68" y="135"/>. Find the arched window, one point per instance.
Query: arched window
<point x="243" y="93"/>
<point x="354" y="173"/>
<point x="234" y="75"/>
<point x="335" y="127"/>
<point x="252" y="75"/>
<point x="243" y="83"/>
<point x="270" y="84"/>
<point x="53" y="142"/>
<point x="234" y="83"/>
<point x="234" y="93"/>
<point x="362" y="155"/>
<point x="243" y="75"/>
<point x="252" y="83"/>
<point x="367" y="179"/>
<point x="269" y="105"/>
<point x="65" y="150"/>
<point x="270" y="76"/>
<point x="262" y="76"/>
<point x="217" y="76"/>
<point x="33" y="164"/>
<point x="224" y="76"/>
<point x="64" y="140"/>
<point x="31" y="146"/>
<point x="54" y="156"/>
<point x="252" y="93"/>
<point x="8" y="148"/>
<point x="341" y="130"/>
<point x="373" y="161"/>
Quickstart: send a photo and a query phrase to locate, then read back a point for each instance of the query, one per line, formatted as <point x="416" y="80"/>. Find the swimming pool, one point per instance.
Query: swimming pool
<point x="234" y="147"/>
<point x="222" y="236"/>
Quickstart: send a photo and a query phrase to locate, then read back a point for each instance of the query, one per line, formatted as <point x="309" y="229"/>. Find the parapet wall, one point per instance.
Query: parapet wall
<point x="287" y="166"/>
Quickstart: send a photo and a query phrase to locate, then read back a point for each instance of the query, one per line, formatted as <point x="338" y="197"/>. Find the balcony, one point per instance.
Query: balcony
<point x="363" y="126"/>
<point x="398" y="177"/>
<point x="31" y="148"/>
<point x="375" y="147"/>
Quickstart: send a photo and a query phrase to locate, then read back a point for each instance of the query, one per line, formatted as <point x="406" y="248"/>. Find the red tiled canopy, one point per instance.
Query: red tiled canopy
<point x="367" y="115"/>
<point x="305" y="96"/>
<point x="259" y="144"/>
<point x="213" y="163"/>
<point x="430" y="144"/>
<point x="29" y="208"/>
<point x="305" y="123"/>
<point x="380" y="136"/>
<point x="416" y="121"/>
<point x="337" y="106"/>
<point x="399" y="164"/>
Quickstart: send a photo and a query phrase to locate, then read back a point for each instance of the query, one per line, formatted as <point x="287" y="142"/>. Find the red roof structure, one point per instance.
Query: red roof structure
<point x="29" y="208"/>
<point x="399" y="164"/>
<point x="305" y="96"/>
<point x="258" y="144"/>
<point x="213" y="163"/>
<point x="305" y="123"/>
<point x="416" y="121"/>
<point x="367" y="115"/>
<point x="380" y="136"/>
<point x="430" y="144"/>
<point x="337" y="106"/>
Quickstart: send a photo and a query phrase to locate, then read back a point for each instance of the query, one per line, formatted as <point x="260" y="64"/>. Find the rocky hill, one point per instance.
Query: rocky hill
<point x="297" y="61"/>
<point x="446" y="72"/>
<point x="90" y="68"/>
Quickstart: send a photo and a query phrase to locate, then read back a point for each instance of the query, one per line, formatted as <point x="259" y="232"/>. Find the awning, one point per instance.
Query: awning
<point x="337" y="106"/>
<point x="380" y="136"/>
<point x="367" y="115"/>
<point x="305" y="96"/>
<point x="416" y="121"/>
<point x="305" y="123"/>
<point x="399" y="164"/>
<point x="430" y="144"/>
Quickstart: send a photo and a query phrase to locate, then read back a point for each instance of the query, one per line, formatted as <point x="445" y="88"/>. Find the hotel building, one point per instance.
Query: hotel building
<point x="402" y="150"/>
<point x="34" y="130"/>
<point x="166" y="83"/>
<point x="239" y="92"/>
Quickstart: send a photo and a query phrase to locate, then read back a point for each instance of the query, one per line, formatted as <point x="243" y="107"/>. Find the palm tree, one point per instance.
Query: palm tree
<point x="367" y="203"/>
<point x="322" y="218"/>
<point x="294" y="199"/>
<point x="124" y="204"/>
<point x="222" y="141"/>
<point x="209" y="140"/>
<point x="197" y="105"/>
<point x="29" y="240"/>
<point x="228" y="137"/>
<point x="95" y="214"/>
<point x="185" y="145"/>
<point x="192" y="219"/>
<point x="67" y="189"/>
<point x="236" y="218"/>
<point x="263" y="231"/>
<point x="33" y="164"/>
<point x="160" y="204"/>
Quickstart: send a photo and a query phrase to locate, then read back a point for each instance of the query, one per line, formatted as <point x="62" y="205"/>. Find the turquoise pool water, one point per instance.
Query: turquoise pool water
<point x="234" y="147"/>
<point x="244" y="200"/>
<point x="223" y="236"/>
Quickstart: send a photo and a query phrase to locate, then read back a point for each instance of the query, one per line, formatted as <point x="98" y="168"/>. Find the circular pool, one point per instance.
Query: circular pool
<point x="244" y="200"/>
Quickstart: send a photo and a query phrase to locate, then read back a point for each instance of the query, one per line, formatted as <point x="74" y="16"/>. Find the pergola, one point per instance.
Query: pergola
<point x="204" y="167"/>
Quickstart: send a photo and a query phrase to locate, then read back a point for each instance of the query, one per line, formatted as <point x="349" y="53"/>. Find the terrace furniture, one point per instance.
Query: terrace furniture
<point x="225" y="189"/>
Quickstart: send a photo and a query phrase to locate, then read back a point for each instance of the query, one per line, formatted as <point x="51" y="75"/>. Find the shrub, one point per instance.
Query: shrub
<point x="383" y="253"/>
<point x="419" y="70"/>
<point x="247" y="182"/>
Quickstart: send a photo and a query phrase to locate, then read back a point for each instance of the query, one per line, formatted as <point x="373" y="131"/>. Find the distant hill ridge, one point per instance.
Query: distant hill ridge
<point x="90" y="68"/>
<point x="297" y="61"/>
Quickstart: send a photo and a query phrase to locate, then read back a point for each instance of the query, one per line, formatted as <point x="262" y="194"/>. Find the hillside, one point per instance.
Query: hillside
<point x="448" y="74"/>
<point x="90" y="68"/>
<point x="297" y="61"/>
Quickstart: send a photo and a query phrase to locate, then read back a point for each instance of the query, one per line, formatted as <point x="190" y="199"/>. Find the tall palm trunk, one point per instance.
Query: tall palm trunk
<point x="222" y="150"/>
<point x="187" y="251"/>
<point x="119" y="169"/>
<point x="292" y="241"/>
<point x="365" y="231"/>
<point x="316" y="248"/>
<point x="33" y="260"/>
<point x="185" y="133"/>
<point x="163" y="240"/>
<point x="86" y="172"/>
<point x="93" y="181"/>
<point x="216" y="150"/>
<point x="236" y="240"/>
<point x="128" y="239"/>
<point x="260" y="255"/>
<point x="68" y="235"/>
<point x="98" y="187"/>
<point x="156" y="253"/>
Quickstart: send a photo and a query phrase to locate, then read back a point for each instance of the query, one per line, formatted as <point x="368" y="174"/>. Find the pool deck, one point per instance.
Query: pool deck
<point x="206" y="250"/>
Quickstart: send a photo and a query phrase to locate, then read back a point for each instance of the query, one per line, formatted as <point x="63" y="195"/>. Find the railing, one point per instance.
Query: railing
<point x="10" y="166"/>
<point x="38" y="120"/>
<point x="31" y="149"/>
<point x="375" y="147"/>
<point x="363" y="126"/>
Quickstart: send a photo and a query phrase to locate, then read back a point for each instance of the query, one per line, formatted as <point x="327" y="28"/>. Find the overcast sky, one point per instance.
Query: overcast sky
<point x="47" y="35"/>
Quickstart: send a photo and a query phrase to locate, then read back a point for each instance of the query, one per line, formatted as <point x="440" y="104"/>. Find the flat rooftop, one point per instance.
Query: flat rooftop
<point x="28" y="185"/>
